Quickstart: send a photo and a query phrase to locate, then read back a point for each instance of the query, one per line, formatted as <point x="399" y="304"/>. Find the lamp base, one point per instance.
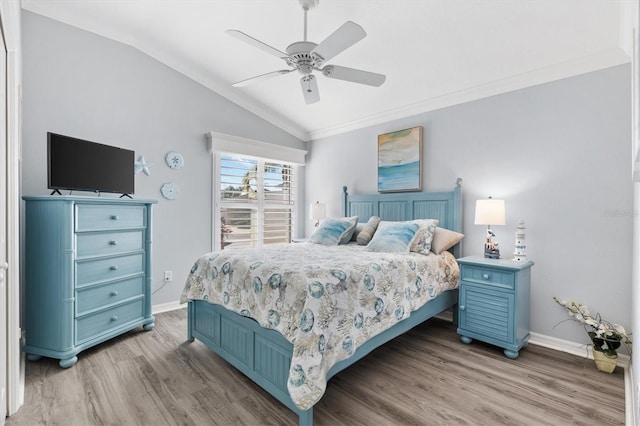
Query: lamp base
<point x="491" y="250"/>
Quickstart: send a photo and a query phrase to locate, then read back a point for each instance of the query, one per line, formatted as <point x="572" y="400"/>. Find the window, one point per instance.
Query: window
<point x="255" y="196"/>
<point x="256" y="201"/>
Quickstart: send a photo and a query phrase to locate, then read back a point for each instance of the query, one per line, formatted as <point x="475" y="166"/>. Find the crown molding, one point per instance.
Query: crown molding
<point x="602" y="60"/>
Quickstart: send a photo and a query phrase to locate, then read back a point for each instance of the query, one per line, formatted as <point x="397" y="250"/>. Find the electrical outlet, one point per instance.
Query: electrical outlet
<point x="168" y="276"/>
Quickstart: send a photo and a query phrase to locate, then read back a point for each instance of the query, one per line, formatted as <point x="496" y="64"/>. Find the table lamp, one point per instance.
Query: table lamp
<point x="318" y="211"/>
<point x="490" y="212"/>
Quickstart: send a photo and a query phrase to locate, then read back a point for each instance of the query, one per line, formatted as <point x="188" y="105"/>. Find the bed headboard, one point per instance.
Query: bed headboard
<point x="444" y="206"/>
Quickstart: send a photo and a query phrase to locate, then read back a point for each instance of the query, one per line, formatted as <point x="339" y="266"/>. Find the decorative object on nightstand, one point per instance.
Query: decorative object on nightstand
<point x="605" y="336"/>
<point x="520" y="245"/>
<point x="490" y="212"/>
<point x="174" y="160"/>
<point x="493" y="302"/>
<point x="142" y="166"/>
<point x="318" y="211"/>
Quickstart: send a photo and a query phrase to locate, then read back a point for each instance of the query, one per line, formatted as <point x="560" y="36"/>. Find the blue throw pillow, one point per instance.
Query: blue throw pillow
<point x="394" y="237"/>
<point x="332" y="231"/>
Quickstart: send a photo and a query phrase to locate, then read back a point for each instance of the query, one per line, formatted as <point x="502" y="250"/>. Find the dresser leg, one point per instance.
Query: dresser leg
<point x="68" y="362"/>
<point x="33" y="357"/>
<point x="149" y="327"/>
<point x="466" y="340"/>
<point x="511" y="354"/>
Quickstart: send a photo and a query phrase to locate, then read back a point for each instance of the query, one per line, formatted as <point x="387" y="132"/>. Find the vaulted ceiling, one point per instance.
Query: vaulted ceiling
<point x="434" y="53"/>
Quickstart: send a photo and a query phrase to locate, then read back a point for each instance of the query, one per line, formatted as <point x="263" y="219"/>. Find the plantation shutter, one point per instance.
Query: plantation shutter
<point x="254" y="198"/>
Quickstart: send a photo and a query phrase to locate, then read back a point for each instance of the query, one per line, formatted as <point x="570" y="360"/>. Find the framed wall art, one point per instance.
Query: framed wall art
<point x="400" y="160"/>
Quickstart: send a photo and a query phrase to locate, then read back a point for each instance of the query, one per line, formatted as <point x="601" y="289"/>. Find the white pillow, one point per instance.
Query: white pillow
<point x="444" y="239"/>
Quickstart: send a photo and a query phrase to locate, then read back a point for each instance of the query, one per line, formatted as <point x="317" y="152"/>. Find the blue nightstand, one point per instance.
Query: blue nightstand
<point x="494" y="302"/>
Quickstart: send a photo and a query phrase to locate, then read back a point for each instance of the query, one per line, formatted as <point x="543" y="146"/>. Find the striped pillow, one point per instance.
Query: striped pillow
<point x="366" y="233"/>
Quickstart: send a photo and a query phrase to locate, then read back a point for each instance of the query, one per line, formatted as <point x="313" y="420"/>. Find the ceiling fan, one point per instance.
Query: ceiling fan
<point x="306" y="57"/>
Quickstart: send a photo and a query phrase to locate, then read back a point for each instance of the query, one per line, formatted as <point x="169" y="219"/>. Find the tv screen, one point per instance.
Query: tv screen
<point x="81" y="165"/>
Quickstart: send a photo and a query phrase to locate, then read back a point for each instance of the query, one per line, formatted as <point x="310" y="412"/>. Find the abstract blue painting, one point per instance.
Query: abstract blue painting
<point x="399" y="160"/>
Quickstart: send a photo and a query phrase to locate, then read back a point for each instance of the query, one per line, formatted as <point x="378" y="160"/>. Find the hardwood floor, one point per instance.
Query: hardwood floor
<point x="425" y="377"/>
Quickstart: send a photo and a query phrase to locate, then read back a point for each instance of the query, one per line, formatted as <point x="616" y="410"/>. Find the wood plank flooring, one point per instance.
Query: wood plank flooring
<point x="425" y="377"/>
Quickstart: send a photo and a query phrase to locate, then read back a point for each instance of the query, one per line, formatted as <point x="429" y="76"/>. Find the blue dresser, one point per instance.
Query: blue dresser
<point x="493" y="302"/>
<point x="87" y="270"/>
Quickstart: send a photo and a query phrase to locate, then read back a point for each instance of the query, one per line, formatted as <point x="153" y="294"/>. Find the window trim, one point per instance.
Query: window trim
<point x="221" y="144"/>
<point x="229" y="144"/>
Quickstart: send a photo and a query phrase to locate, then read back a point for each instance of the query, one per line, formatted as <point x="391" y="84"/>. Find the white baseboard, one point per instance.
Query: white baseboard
<point x="629" y="397"/>
<point x="166" y="307"/>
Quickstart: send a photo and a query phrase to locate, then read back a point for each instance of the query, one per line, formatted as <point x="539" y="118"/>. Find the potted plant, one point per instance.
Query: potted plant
<point x="605" y="336"/>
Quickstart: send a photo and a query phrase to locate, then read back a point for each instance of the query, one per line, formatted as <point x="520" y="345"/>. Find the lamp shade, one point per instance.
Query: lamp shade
<point x="317" y="211"/>
<point x="490" y="212"/>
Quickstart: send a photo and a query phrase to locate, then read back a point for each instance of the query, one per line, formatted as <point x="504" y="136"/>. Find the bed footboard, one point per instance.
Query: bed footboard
<point x="264" y="355"/>
<point x="261" y="354"/>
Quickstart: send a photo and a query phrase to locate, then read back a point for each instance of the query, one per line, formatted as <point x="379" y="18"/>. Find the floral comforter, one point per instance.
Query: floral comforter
<point x="327" y="301"/>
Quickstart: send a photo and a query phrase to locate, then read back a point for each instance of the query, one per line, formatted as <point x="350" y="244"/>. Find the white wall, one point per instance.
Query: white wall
<point x="83" y="85"/>
<point x="557" y="153"/>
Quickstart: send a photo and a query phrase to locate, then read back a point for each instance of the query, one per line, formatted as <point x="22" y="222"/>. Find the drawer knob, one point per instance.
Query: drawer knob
<point x="486" y="276"/>
<point x="113" y="268"/>
<point x="462" y="307"/>
<point x="115" y="217"/>
<point x="114" y="318"/>
<point x="113" y="243"/>
<point x="114" y="293"/>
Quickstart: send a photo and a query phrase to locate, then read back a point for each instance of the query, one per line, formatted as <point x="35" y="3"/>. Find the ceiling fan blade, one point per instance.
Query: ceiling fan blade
<point x="342" y="38"/>
<point x="310" y="89"/>
<point x="257" y="43"/>
<point x="261" y="77"/>
<point x="354" y="75"/>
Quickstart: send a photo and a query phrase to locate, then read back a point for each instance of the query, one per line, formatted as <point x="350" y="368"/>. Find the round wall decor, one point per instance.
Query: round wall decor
<point x="174" y="160"/>
<point x="170" y="191"/>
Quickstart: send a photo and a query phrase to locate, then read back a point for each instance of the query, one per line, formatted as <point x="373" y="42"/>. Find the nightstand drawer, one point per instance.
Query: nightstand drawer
<point x="92" y="326"/>
<point x="96" y="217"/>
<point x="108" y="269"/>
<point x="101" y="244"/>
<point x="488" y="276"/>
<point x="108" y="294"/>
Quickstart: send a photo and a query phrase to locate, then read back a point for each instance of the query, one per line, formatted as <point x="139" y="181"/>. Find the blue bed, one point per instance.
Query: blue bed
<point x="264" y="355"/>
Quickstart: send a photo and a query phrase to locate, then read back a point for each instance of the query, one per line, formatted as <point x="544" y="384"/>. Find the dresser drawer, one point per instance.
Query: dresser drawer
<point x="92" y="298"/>
<point x="95" y="217"/>
<point x="488" y="276"/>
<point x="93" y="325"/>
<point x="109" y="269"/>
<point x="100" y="244"/>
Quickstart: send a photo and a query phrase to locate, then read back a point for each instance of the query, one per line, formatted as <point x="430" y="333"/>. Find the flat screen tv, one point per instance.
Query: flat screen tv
<point x="80" y="165"/>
